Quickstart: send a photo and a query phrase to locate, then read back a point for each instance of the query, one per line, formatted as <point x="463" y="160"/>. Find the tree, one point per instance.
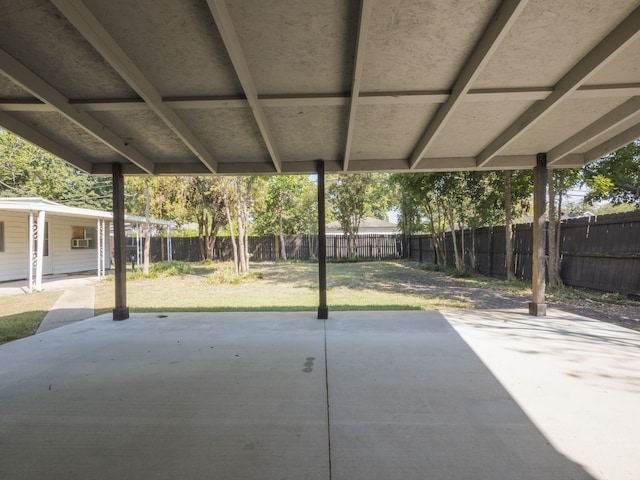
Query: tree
<point x="289" y="208"/>
<point x="435" y="202"/>
<point x="249" y="196"/>
<point x="353" y="196"/>
<point x="558" y="182"/>
<point x="28" y="171"/>
<point x="205" y="205"/>
<point x="518" y="187"/>
<point x="616" y="177"/>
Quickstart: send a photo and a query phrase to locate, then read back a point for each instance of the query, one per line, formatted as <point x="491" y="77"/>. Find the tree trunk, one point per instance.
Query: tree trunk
<point x="231" y="233"/>
<point x="558" y="230"/>
<point x="452" y="226"/>
<point x="147" y="229"/>
<point x="242" y="248"/>
<point x="552" y="265"/>
<point x="245" y="220"/>
<point x="437" y="246"/>
<point x="508" y="228"/>
<point x="283" y="249"/>
<point x="463" y="253"/>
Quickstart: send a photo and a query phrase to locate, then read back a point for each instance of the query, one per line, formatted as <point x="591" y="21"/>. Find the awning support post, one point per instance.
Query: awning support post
<point x="100" y="237"/>
<point x="323" y="309"/>
<point x="537" y="306"/>
<point x="121" y="311"/>
<point x="37" y="231"/>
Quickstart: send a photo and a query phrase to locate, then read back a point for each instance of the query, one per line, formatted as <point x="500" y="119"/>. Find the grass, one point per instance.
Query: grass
<point x="278" y="287"/>
<point x="293" y="286"/>
<point x="22" y="314"/>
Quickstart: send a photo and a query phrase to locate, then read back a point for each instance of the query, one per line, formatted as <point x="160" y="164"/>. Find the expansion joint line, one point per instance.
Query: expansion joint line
<point x="326" y="378"/>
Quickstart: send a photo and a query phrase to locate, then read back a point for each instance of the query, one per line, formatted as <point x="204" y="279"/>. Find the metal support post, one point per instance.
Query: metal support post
<point x="537" y="306"/>
<point x="323" y="309"/>
<point x="101" y="242"/>
<point x="121" y="311"/>
<point x="40" y="234"/>
<point x="32" y="252"/>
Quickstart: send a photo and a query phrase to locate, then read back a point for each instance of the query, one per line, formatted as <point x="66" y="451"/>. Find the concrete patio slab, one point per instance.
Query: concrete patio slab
<point x="578" y="379"/>
<point x="399" y="395"/>
<point x="410" y="400"/>
<point x="184" y="396"/>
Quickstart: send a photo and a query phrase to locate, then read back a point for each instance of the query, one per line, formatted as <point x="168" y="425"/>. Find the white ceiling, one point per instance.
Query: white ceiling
<point x="267" y="86"/>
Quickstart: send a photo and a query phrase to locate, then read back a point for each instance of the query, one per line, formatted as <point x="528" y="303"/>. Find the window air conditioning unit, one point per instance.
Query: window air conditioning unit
<point x="80" y="243"/>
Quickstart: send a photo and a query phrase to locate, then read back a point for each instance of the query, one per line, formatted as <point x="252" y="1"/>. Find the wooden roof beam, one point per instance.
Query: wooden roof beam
<point x="600" y="126"/>
<point x="232" y="43"/>
<point x="623" y="35"/>
<point x="35" y="137"/>
<point x="496" y="31"/>
<point x="90" y="28"/>
<point x="37" y="87"/>
<point x="613" y="144"/>
<point x="358" y="66"/>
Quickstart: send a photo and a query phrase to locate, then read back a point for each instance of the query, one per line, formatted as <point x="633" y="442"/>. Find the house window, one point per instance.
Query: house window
<point x="84" y="237"/>
<point x="1" y="236"/>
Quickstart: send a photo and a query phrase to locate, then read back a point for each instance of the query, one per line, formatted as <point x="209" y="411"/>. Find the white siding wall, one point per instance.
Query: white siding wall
<point x="14" y="262"/>
<point x="64" y="258"/>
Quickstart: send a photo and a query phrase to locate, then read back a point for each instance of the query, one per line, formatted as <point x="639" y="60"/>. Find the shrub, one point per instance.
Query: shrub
<point x="228" y="276"/>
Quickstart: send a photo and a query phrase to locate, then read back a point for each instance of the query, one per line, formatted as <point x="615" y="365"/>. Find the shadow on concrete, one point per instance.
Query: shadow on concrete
<point x="399" y="395"/>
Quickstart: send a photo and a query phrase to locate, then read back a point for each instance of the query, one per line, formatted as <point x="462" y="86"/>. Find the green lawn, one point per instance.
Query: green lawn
<point x="280" y="287"/>
<point x="21" y="314"/>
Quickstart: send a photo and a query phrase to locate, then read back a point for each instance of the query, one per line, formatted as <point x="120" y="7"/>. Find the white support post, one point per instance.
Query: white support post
<point x="40" y="233"/>
<point x="100" y="232"/>
<point x="31" y="233"/>
<point x="138" y="245"/>
<point x="169" y="251"/>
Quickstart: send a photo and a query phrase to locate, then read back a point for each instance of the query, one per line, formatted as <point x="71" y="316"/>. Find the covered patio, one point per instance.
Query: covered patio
<point x="250" y="87"/>
<point x="298" y="87"/>
<point x="368" y="395"/>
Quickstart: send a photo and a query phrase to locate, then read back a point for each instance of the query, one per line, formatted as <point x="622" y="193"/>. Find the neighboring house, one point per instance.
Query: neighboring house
<point x="368" y="226"/>
<point x="39" y="237"/>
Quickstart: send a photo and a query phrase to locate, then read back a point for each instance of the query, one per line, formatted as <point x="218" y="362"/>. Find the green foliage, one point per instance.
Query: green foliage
<point x="290" y="199"/>
<point x="167" y="197"/>
<point x="228" y="276"/>
<point x="354" y="196"/>
<point x="616" y="177"/>
<point x="28" y="171"/>
<point x="171" y="268"/>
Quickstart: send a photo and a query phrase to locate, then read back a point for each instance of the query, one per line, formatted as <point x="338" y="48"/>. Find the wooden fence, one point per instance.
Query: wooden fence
<point x="299" y="247"/>
<point x="601" y="253"/>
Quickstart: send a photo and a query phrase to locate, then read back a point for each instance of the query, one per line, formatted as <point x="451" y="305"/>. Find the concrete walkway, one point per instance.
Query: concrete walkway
<point x="74" y="304"/>
<point x="364" y="395"/>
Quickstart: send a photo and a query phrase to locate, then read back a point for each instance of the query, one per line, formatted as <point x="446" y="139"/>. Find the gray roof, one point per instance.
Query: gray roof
<point x="36" y="204"/>
<point x="195" y="87"/>
<point x="366" y="222"/>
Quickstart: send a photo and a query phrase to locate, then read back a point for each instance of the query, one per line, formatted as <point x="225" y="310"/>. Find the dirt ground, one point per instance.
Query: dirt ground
<point x="490" y="293"/>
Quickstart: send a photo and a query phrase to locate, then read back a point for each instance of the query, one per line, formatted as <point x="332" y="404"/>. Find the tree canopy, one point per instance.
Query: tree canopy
<point x="616" y="177"/>
<point x="28" y="171"/>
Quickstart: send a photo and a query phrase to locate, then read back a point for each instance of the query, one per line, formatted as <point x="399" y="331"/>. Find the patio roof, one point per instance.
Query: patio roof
<point x="37" y="204"/>
<point x="252" y="87"/>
